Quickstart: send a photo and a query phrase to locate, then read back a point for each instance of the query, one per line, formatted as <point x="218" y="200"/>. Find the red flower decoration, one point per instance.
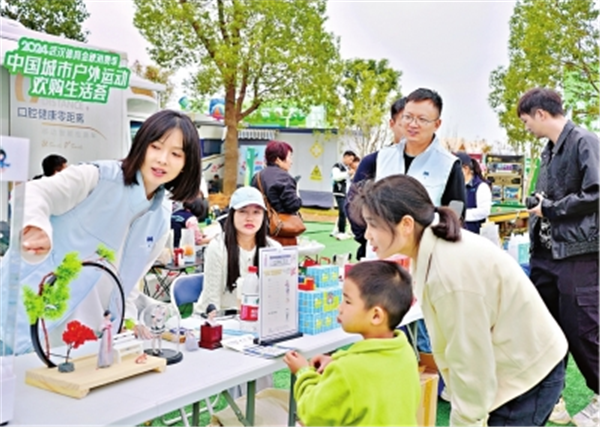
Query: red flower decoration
<point x="76" y="334"/>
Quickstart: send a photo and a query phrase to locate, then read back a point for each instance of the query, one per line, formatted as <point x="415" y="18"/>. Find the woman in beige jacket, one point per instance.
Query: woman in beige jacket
<point x="499" y="350"/>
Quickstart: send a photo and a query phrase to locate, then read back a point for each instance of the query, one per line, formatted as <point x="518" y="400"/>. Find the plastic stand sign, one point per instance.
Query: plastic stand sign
<point x="14" y="161"/>
<point x="278" y="295"/>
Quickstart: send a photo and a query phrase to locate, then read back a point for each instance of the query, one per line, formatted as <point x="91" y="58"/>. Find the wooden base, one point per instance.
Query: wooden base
<point x="86" y="376"/>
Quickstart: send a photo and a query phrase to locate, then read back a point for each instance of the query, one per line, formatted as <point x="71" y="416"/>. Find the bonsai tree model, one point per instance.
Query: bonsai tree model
<point x="50" y="302"/>
<point x="75" y="335"/>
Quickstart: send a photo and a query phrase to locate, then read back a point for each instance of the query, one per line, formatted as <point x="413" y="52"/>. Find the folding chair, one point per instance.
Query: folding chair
<point x="187" y="289"/>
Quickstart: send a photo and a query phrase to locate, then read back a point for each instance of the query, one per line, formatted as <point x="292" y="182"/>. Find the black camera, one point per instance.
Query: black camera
<point x="532" y="201"/>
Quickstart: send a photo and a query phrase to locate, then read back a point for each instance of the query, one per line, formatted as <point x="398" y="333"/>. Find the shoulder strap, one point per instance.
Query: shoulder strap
<point x="260" y="187"/>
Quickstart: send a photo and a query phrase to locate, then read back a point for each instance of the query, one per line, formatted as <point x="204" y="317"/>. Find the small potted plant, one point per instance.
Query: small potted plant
<point x="75" y="335"/>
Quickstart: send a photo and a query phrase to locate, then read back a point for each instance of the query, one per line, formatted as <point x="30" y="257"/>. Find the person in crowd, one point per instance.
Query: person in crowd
<point x="52" y="164"/>
<point x="229" y="255"/>
<point x="563" y="231"/>
<point x="421" y="155"/>
<point x="479" y="193"/>
<point x="475" y="300"/>
<point x="215" y="185"/>
<point x="119" y="204"/>
<point x="375" y="381"/>
<point x="188" y="217"/>
<point x="340" y="174"/>
<point x="278" y="186"/>
<point x="366" y="170"/>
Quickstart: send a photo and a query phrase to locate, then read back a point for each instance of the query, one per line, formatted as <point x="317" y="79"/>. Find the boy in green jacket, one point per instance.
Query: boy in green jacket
<point x="376" y="381"/>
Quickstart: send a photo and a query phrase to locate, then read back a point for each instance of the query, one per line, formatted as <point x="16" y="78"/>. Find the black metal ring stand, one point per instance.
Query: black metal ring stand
<point x="34" y="329"/>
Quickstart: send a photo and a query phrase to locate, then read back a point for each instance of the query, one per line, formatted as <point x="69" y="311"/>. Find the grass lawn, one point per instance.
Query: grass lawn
<point x="576" y="393"/>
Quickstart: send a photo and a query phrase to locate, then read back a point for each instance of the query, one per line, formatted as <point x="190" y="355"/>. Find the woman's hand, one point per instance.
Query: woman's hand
<point x="295" y="361"/>
<point x="35" y="241"/>
<point x="319" y="362"/>
<point x="142" y="332"/>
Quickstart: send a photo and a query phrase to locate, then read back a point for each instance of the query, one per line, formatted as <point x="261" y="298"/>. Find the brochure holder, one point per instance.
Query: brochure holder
<point x="278" y="295"/>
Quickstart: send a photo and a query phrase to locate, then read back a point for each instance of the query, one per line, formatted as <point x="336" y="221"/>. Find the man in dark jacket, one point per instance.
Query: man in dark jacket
<point x="564" y="231"/>
<point x="341" y="174"/>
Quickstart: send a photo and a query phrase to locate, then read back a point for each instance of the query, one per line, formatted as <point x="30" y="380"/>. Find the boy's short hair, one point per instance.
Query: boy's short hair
<point x="385" y="284"/>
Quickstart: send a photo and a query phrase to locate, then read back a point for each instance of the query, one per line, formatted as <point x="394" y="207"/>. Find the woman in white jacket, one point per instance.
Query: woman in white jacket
<point x="229" y="255"/>
<point x="499" y="350"/>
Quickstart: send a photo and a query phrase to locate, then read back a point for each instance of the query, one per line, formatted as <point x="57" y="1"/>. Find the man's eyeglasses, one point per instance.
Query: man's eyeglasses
<point x="421" y="121"/>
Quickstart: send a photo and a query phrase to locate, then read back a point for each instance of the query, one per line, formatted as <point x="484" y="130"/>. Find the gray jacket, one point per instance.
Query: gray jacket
<point x="569" y="176"/>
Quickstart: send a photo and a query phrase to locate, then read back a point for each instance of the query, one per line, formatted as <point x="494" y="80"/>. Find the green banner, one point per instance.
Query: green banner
<point x="66" y="72"/>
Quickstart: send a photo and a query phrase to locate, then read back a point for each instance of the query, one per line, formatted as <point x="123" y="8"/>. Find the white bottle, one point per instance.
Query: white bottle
<point x="249" y="309"/>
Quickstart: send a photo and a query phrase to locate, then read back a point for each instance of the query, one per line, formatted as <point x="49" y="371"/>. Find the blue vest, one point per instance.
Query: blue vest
<point x="431" y="168"/>
<point x="114" y="215"/>
<point x="178" y="220"/>
<point x="472" y="187"/>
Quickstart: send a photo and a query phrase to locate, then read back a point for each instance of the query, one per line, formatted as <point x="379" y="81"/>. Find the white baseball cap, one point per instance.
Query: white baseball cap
<point x="245" y="196"/>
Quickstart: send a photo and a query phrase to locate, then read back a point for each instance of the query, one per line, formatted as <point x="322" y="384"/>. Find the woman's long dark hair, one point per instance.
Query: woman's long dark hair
<point x="186" y="185"/>
<point x="233" y="249"/>
<point x="391" y="198"/>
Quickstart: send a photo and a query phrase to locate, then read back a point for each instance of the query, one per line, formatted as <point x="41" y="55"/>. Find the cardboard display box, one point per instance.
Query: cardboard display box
<point x="428" y="373"/>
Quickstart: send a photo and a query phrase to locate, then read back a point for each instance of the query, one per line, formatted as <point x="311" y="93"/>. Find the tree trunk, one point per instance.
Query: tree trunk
<point x="231" y="144"/>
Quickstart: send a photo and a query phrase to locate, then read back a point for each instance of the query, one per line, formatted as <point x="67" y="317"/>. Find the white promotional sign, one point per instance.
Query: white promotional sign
<point x="278" y="309"/>
<point x="14" y="158"/>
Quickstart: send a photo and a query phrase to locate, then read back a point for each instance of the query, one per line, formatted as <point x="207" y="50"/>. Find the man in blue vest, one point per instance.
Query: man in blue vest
<point x="420" y="153"/>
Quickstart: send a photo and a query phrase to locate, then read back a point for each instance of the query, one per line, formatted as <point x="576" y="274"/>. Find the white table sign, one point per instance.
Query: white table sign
<point x="278" y="294"/>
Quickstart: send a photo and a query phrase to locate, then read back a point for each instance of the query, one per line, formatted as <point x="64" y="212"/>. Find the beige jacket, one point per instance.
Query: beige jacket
<point x="492" y="337"/>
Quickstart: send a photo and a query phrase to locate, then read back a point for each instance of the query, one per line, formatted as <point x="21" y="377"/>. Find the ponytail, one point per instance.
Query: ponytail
<point x="448" y="227"/>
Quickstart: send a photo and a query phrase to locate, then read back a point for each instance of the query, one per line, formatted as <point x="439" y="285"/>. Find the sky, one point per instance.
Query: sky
<point x="449" y="46"/>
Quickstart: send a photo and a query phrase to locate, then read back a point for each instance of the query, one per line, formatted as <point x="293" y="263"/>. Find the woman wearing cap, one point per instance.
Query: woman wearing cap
<point x="479" y="194"/>
<point x="497" y="346"/>
<point x="229" y="255"/>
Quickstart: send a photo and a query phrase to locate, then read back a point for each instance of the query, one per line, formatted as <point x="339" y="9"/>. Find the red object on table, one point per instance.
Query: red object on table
<point x="307" y="285"/>
<point x="210" y="336"/>
<point x="177" y="256"/>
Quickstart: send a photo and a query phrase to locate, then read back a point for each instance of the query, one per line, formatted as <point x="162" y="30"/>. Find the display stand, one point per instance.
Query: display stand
<point x="14" y="162"/>
<point x="87" y="376"/>
<point x="278" y="295"/>
<point x="505" y="173"/>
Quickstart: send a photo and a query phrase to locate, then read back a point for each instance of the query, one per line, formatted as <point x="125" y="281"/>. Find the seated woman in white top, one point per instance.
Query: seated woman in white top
<point x="229" y="255"/>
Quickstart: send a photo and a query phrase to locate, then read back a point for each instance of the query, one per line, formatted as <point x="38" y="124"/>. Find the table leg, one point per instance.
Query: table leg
<point x="196" y="413"/>
<point x="250" y="400"/>
<point x="292" y="405"/>
<point x="236" y="409"/>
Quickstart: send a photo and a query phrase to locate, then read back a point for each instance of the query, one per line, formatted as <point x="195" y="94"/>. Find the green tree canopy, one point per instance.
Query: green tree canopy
<point x="367" y="90"/>
<point x="57" y="17"/>
<point x="250" y="51"/>
<point x="156" y="74"/>
<point x="554" y="44"/>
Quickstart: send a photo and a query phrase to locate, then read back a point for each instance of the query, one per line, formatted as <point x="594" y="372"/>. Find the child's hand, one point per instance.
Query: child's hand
<point x="35" y="241"/>
<point x="295" y="361"/>
<point x="319" y="362"/>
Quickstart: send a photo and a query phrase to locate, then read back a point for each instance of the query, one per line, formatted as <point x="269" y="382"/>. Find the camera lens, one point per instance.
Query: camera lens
<point x="531" y="202"/>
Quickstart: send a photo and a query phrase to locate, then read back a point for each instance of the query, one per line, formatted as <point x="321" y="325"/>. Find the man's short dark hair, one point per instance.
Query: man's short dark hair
<point x="52" y="164"/>
<point x="397" y="107"/>
<point x="385" y="284"/>
<point x="540" y="98"/>
<point x="423" y="94"/>
<point x="350" y="153"/>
